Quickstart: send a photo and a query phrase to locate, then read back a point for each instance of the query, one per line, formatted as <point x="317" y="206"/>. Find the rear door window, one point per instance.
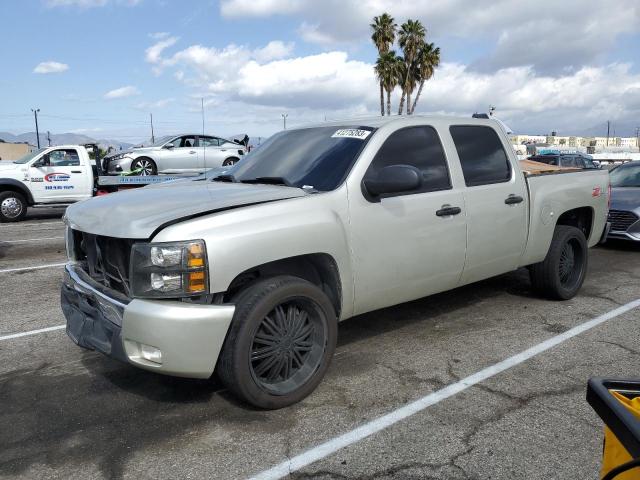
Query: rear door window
<point x="419" y="147"/>
<point x="482" y="156"/>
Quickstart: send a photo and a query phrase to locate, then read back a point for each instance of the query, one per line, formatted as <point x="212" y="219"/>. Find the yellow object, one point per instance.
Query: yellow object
<point x="196" y="282"/>
<point x="195" y="256"/>
<point x="614" y="453"/>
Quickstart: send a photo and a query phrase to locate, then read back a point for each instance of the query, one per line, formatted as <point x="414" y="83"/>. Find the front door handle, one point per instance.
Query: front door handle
<point x="76" y="171"/>
<point x="192" y="152"/>
<point x="513" y="199"/>
<point x="448" y="210"/>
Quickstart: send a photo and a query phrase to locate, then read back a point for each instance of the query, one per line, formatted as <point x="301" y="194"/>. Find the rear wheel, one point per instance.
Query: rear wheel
<point x="144" y="166"/>
<point x="561" y="274"/>
<point x="230" y="161"/>
<point x="280" y="342"/>
<point x="13" y="207"/>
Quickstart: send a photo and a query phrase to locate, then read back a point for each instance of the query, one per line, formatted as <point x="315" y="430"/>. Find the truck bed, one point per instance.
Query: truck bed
<point x="531" y="168"/>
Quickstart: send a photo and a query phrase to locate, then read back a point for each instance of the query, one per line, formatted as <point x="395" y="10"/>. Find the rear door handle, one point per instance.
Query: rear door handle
<point x="192" y="152"/>
<point x="76" y="171"/>
<point x="448" y="210"/>
<point x="513" y="199"/>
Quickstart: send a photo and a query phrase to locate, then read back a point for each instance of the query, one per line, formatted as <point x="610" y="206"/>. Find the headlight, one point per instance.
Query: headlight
<point x="169" y="270"/>
<point x="69" y="243"/>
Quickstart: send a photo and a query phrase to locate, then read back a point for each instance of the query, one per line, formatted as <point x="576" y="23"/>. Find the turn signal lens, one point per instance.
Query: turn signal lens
<point x="195" y="256"/>
<point x="196" y="282"/>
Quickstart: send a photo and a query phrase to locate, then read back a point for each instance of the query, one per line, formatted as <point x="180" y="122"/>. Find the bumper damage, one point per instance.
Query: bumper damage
<point x="168" y="337"/>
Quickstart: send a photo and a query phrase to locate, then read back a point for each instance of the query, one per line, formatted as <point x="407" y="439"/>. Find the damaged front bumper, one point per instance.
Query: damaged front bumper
<point x="169" y="337"/>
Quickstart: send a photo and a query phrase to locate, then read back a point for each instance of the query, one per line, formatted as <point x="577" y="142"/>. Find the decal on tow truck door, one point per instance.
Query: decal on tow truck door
<point x="351" y="133"/>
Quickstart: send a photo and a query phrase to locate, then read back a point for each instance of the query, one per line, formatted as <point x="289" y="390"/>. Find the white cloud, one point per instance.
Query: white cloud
<point x="122" y="92"/>
<point x="259" y="8"/>
<point x="51" y="67"/>
<point x="547" y="34"/>
<point x="157" y="104"/>
<point x="159" y="35"/>
<point x="273" y="51"/>
<point x="153" y="53"/>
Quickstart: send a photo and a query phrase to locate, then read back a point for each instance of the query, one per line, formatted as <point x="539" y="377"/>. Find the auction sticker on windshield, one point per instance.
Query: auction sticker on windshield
<point x="351" y="133"/>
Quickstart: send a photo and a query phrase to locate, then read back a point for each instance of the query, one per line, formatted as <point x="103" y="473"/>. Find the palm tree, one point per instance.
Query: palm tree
<point x="410" y="38"/>
<point x="387" y="68"/>
<point x="428" y="60"/>
<point x="384" y="34"/>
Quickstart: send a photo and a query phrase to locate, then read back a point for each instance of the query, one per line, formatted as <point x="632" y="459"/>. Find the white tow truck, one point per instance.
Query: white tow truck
<point x="56" y="177"/>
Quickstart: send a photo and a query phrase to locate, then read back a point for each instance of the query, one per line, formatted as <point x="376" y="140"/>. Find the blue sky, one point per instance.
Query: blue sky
<point x="545" y="66"/>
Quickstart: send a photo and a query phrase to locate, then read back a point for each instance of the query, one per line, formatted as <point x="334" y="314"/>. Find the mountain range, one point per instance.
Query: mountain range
<point x="64" y="139"/>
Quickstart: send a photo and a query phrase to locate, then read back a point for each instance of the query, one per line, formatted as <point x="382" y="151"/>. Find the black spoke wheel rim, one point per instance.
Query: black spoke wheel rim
<point x="288" y="346"/>
<point x="571" y="264"/>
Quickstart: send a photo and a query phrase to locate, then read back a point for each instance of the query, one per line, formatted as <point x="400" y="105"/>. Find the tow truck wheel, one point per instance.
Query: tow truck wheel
<point x="13" y="207"/>
<point x="230" y="161"/>
<point x="280" y="342"/>
<point x="560" y="275"/>
<point x="144" y="166"/>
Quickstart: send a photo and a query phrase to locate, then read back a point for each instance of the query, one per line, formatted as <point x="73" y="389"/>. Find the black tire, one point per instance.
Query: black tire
<point x="561" y="274"/>
<point x="256" y="331"/>
<point x="146" y="165"/>
<point x="13" y="207"/>
<point x="230" y="161"/>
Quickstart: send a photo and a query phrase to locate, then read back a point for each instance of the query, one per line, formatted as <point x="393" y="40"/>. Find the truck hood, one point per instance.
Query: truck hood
<point x="138" y="213"/>
<point x="625" y="198"/>
<point x="9" y="165"/>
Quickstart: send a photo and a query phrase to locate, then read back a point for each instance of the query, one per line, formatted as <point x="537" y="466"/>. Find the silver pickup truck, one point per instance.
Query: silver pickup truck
<point x="247" y="273"/>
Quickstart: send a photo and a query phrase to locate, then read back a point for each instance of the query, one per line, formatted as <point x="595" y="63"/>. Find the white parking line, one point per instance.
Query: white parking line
<point x="32" y="332"/>
<point x="31" y="240"/>
<point x="24" y="269"/>
<point x="333" y="445"/>
<point x="6" y="225"/>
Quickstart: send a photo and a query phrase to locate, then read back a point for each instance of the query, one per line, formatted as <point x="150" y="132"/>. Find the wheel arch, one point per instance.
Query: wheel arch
<point x="321" y="269"/>
<point x="581" y="218"/>
<point x="11" y="185"/>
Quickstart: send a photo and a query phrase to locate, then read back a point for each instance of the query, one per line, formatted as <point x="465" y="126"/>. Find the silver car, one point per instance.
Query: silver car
<point x="188" y="153"/>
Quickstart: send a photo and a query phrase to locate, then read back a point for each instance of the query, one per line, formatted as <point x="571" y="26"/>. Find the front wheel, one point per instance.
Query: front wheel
<point x="144" y="166"/>
<point x="280" y="342"/>
<point x="561" y="274"/>
<point x="230" y="161"/>
<point x="13" y="207"/>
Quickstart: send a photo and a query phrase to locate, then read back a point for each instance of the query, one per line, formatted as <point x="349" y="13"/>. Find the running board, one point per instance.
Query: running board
<point x="51" y="205"/>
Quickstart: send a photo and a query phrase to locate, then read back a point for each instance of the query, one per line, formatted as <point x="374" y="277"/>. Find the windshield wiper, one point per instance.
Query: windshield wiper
<point x="269" y="181"/>
<point x="227" y="177"/>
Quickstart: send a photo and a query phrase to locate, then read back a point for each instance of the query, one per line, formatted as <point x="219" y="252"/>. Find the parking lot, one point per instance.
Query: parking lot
<point x="70" y="413"/>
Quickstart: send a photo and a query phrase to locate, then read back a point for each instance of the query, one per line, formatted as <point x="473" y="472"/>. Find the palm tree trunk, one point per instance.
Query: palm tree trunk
<point x="415" y="102"/>
<point x="401" y="103"/>
<point x="389" y="102"/>
<point x="381" y="99"/>
<point x="409" y="103"/>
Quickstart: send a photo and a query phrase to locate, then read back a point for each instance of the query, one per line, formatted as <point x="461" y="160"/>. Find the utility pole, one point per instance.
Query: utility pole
<point x="49" y="137"/>
<point x="35" y="114"/>
<point x="608" y="127"/>
<point x="284" y="120"/>
<point x="153" y="140"/>
<point x="638" y="138"/>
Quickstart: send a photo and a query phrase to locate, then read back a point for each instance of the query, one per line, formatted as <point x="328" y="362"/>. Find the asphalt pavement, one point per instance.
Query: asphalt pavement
<point x="71" y="413"/>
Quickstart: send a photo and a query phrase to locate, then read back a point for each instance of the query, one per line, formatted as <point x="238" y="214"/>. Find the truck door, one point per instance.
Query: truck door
<point x="403" y="247"/>
<point x="60" y="176"/>
<point x="496" y="200"/>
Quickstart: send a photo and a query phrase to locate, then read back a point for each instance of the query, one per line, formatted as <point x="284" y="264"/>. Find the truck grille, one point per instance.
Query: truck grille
<point x="621" y="220"/>
<point x="105" y="259"/>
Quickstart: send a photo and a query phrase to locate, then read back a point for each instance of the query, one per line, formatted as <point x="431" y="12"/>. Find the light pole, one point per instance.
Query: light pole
<point x="35" y="114"/>
<point x="638" y="138"/>
<point x="284" y="120"/>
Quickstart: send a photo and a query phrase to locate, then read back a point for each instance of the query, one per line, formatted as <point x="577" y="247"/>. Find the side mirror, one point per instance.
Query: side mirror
<point x="41" y="162"/>
<point x="169" y="146"/>
<point x="393" y="179"/>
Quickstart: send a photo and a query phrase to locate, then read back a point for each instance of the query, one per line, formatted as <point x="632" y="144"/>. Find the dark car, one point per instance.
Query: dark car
<point x="573" y="160"/>
<point x="624" y="213"/>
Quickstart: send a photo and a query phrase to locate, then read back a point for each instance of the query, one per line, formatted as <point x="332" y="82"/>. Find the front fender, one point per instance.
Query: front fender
<point x="17" y="185"/>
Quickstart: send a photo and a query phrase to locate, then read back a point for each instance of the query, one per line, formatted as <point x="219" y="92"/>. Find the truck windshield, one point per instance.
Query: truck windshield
<point x="29" y="156"/>
<point x="316" y="158"/>
<point x="625" y="176"/>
